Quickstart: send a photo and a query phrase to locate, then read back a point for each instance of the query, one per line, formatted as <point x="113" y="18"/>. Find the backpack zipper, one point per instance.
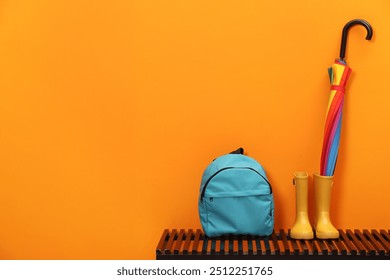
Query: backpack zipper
<point x="226" y="168"/>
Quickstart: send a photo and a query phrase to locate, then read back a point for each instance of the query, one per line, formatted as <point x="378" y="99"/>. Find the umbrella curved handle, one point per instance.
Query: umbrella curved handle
<point x="345" y="34"/>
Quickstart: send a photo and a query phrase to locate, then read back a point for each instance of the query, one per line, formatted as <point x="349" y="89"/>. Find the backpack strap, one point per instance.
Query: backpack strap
<point x="239" y="151"/>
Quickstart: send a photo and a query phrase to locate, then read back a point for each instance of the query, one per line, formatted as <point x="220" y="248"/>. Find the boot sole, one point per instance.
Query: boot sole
<point x="308" y="235"/>
<point x="327" y="235"/>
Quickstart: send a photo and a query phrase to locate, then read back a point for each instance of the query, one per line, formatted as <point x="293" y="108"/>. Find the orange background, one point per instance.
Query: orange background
<point x="111" y="110"/>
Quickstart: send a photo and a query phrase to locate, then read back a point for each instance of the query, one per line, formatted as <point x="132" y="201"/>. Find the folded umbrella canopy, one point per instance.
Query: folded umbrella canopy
<point x="339" y="73"/>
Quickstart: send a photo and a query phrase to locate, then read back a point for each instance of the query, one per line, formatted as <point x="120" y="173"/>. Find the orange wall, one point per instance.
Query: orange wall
<point x="111" y="110"/>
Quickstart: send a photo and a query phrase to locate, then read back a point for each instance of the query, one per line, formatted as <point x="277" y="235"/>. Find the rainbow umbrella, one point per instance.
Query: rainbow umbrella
<point x="339" y="74"/>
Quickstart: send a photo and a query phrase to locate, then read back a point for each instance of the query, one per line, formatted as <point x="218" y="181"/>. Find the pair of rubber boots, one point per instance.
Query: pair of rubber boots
<point x="322" y="193"/>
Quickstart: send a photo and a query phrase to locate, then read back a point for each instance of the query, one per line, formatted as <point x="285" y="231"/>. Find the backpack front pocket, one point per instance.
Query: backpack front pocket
<point x="250" y="214"/>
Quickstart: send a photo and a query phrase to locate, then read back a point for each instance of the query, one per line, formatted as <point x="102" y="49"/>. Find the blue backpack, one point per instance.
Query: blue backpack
<point x="236" y="197"/>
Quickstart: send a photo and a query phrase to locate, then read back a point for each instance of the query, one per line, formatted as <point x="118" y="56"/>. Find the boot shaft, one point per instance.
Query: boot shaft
<point x="322" y="192"/>
<point x="301" y="182"/>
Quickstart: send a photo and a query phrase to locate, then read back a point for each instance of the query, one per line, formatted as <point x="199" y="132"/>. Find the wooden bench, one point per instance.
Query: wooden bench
<point x="194" y="245"/>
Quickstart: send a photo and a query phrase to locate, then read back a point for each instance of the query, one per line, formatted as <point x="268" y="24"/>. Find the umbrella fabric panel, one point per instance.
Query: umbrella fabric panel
<point x="339" y="74"/>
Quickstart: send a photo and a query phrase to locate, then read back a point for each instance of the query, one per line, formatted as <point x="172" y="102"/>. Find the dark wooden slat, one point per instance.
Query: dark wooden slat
<point x="205" y="245"/>
<point x="323" y="248"/>
<point x="213" y="244"/>
<point x="231" y="244"/>
<point x="188" y="237"/>
<point x="250" y="245"/>
<point x="356" y="242"/>
<point x="196" y="242"/>
<point x="295" y="246"/>
<point x="309" y="246"/>
<point x="285" y="242"/>
<point x="314" y="247"/>
<point x="168" y="248"/>
<point x="304" y="247"/>
<point x="163" y="239"/>
<point x="275" y="243"/>
<point x="294" y="243"/>
<point x="267" y="246"/>
<point x="222" y="245"/>
<point x="373" y="241"/>
<point x="385" y="235"/>
<point x="382" y="241"/>
<point x="240" y="250"/>
<point x="331" y="246"/>
<point x="259" y="250"/>
<point x="178" y="241"/>
<point x="348" y="243"/>
<point x="365" y="242"/>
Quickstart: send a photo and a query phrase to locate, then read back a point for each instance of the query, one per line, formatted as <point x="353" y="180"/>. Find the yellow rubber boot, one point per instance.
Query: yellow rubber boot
<point x="322" y="193"/>
<point x="302" y="228"/>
